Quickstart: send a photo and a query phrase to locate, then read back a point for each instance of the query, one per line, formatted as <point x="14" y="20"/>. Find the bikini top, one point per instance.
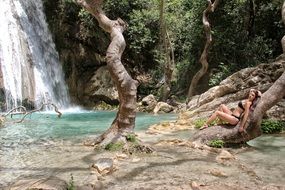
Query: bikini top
<point x="240" y="105"/>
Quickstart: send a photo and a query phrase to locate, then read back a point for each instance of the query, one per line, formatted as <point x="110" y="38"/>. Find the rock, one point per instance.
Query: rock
<point x="218" y="173"/>
<point x="122" y="156"/>
<point x="235" y="88"/>
<point x="224" y="156"/>
<point x="102" y="88"/>
<point x="104" y="165"/>
<point x="51" y="183"/>
<point x="148" y="103"/>
<point x="136" y="160"/>
<point x="195" y="186"/>
<point x="163" y="107"/>
<point x="98" y="185"/>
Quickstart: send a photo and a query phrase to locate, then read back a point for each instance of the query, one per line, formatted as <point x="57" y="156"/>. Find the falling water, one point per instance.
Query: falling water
<point x="29" y="62"/>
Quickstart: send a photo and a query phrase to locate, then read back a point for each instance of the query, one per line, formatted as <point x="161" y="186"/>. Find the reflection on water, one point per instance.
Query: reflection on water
<point x="46" y="145"/>
<point x="266" y="157"/>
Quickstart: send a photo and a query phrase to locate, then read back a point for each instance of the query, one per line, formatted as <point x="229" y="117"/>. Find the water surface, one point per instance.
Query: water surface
<point x="45" y="145"/>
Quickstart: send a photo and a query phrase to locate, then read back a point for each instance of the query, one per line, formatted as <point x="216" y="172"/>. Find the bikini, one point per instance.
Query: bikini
<point x="240" y="106"/>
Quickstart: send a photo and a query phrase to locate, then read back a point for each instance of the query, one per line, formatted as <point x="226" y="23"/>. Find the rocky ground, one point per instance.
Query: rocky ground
<point x="177" y="163"/>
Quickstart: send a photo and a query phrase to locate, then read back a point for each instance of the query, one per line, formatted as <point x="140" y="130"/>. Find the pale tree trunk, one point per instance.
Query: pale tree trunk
<point x="283" y="19"/>
<point x="230" y="134"/>
<point x="204" y="57"/>
<point x="166" y="49"/>
<point x="127" y="87"/>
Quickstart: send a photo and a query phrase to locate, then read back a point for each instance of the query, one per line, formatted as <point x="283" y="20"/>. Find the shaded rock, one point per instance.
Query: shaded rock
<point x="98" y="185"/>
<point x="102" y="88"/>
<point x="51" y="183"/>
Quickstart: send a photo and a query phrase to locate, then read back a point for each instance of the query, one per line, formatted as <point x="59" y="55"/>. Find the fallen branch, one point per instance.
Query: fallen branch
<point x="11" y="112"/>
<point x="39" y="109"/>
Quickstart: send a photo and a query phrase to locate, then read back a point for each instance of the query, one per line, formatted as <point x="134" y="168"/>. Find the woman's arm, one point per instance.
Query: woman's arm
<point x="245" y="116"/>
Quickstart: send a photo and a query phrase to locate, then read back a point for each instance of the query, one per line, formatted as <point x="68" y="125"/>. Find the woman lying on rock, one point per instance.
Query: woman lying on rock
<point x="233" y="117"/>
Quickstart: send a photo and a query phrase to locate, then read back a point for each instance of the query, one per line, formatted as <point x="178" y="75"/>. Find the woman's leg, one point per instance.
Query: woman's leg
<point x="224" y="109"/>
<point x="223" y="116"/>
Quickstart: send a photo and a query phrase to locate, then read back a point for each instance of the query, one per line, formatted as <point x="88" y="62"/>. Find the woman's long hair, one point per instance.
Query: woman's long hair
<point x="255" y="100"/>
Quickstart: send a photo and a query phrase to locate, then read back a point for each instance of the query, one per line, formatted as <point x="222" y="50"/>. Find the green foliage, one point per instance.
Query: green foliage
<point x="216" y="143"/>
<point x="131" y="138"/>
<point x="141" y="33"/>
<point x="272" y="126"/>
<point x="199" y="123"/>
<point x="114" y="146"/>
<point x="71" y="185"/>
<point x="222" y="72"/>
<point x="240" y="39"/>
<point x="104" y="106"/>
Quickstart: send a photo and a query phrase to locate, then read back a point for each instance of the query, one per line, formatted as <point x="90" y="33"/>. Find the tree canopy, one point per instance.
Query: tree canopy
<point x="245" y="33"/>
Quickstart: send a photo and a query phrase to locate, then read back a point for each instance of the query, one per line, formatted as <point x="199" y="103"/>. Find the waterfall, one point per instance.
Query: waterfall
<point x="30" y="66"/>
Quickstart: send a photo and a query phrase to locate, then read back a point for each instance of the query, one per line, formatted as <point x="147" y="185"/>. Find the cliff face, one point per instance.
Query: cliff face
<point x="81" y="50"/>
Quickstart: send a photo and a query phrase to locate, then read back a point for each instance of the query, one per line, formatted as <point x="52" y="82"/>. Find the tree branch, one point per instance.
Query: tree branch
<point x="39" y="109"/>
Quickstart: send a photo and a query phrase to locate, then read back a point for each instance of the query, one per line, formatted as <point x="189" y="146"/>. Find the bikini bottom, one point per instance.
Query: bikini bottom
<point x="236" y="116"/>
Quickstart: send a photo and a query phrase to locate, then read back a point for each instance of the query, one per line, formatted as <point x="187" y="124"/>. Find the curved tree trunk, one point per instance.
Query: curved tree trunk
<point x="252" y="126"/>
<point x="126" y="86"/>
<point x="230" y="134"/>
<point x="166" y="50"/>
<point x="203" y="59"/>
<point x="283" y="19"/>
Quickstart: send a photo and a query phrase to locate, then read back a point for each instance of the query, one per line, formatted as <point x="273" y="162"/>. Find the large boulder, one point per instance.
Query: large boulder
<point x="236" y="87"/>
<point x="102" y="88"/>
<point x="147" y="104"/>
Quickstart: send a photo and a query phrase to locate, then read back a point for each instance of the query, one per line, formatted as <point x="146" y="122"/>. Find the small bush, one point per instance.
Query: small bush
<point x="71" y="185"/>
<point x="199" y="123"/>
<point x="131" y="138"/>
<point x="216" y="143"/>
<point x="272" y="126"/>
<point x="114" y="146"/>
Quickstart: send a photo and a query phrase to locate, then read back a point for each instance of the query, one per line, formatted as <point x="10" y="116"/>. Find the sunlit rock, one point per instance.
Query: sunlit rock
<point x="104" y="165"/>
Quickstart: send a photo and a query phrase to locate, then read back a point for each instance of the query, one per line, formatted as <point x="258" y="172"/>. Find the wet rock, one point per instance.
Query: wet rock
<point x="104" y="165"/>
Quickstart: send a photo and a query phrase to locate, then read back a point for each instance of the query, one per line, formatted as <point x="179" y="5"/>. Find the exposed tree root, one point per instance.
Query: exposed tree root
<point x="125" y="141"/>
